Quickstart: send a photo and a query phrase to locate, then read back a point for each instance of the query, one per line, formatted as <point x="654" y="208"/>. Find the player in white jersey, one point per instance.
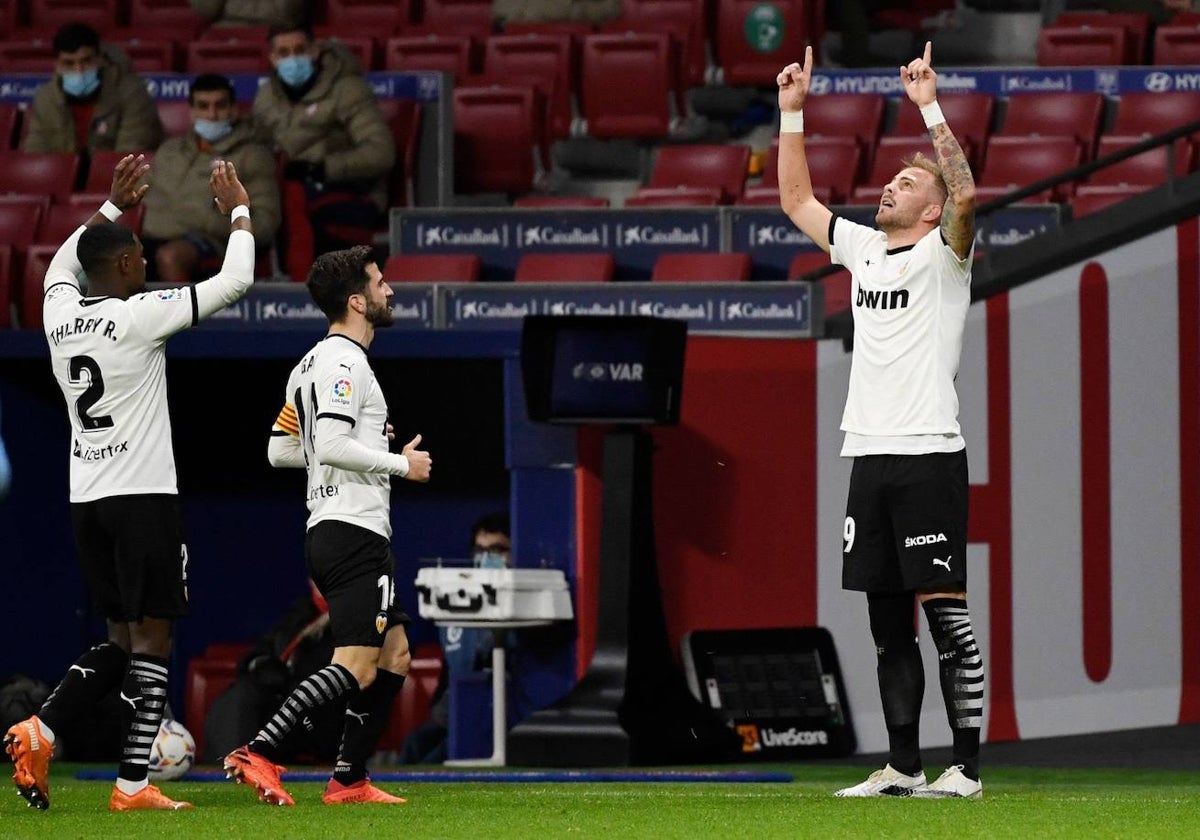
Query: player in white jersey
<point x="334" y="423"/>
<point x="906" y="515"/>
<point x="107" y="351"/>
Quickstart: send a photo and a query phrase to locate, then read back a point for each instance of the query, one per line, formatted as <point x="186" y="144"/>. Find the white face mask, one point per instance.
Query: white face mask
<point x="212" y="130"/>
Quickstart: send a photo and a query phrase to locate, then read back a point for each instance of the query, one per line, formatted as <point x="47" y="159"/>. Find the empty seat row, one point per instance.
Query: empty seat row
<point x="1093" y="45"/>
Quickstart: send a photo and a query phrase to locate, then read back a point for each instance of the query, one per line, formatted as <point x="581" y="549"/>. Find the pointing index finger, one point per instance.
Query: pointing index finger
<point x="808" y="60"/>
<point x="929" y="53"/>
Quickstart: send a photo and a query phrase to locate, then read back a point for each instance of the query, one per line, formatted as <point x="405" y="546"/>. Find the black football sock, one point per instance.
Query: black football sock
<point x="960" y="669"/>
<point x="331" y="684"/>
<point x="94" y="674"/>
<point x="901" y="676"/>
<point x="367" y="715"/>
<point x="143" y="696"/>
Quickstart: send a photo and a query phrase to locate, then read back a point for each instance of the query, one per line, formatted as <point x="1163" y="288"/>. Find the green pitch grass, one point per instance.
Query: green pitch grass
<point x="1025" y="804"/>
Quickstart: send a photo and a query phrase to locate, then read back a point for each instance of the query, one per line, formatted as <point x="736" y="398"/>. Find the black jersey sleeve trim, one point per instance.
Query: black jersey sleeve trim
<point x="60" y="283"/>
<point x="195" y="306"/>
<point x="832" y="221"/>
<point x="280" y="433"/>
<point x="347" y="418"/>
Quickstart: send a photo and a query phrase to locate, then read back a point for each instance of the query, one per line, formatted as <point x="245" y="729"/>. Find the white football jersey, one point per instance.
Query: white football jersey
<point x="108" y="356"/>
<point x="334" y="382"/>
<point x="910" y="307"/>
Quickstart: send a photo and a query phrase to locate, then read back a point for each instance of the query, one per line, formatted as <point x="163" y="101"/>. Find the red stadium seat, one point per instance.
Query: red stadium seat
<point x="547" y="59"/>
<point x="756" y="195"/>
<point x="6" y="289"/>
<point x="497" y="132"/>
<point x="835" y="288"/>
<point x="833" y="167"/>
<point x="362" y="47"/>
<point x="432" y="268"/>
<point x="8" y="17"/>
<point x="675" y="197"/>
<point x="228" y="57"/>
<point x="719" y="166"/>
<point x="1135" y="24"/>
<point x="176" y="117"/>
<point x="1154" y="113"/>
<point x="403" y="117"/>
<point x="566" y="268"/>
<point x="34" y="55"/>
<point x="247" y="34"/>
<point x="10" y="119"/>
<point x="35" y="173"/>
<point x="447" y="53"/>
<point x="49" y="15"/>
<point x="1054" y="114"/>
<point x="380" y="19"/>
<point x="207" y="678"/>
<point x="1148" y="169"/>
<point x="1089" y="199"/>
<point x="1177" y="45"/>
<point x="29" y="300"/>
<point x="1013" y="162"/>
<point x="777" y="28"/>
<point x="969" y="115"/>
<point x="165" y="16"/>
<point x="684" y="20"/>
<point x="563" y="201"/>
<point x="890" y="154"/>
<point x="627" y="84"/>
<point x="845" y="115"/>
<point x="701" y="268"/>
<point x="62" y="219"/>
<point x="457" y="16"/>
<point x="1067" y="46"/>
<point x="147" y="56"/>
<point x="100" y="170"/>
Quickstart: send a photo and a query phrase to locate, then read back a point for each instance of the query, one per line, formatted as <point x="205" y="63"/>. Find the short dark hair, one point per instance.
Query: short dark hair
<point x="101" y="244"/>
<point x="208" y="82"/>
<point x="493" y="523"/>
<point x="297" y="27"/>
<point x="337" y="275"/>
<point x="75" y="36"/>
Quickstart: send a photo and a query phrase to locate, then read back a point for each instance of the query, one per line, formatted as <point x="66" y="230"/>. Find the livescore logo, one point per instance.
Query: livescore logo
<point x="756" y="739"/>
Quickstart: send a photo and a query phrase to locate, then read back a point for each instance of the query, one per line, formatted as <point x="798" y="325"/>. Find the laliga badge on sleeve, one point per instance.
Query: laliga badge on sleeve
<point x="343" y="391"/>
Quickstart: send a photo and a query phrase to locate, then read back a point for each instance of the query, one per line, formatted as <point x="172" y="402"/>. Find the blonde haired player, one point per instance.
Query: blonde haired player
<point x="905" y="534"/>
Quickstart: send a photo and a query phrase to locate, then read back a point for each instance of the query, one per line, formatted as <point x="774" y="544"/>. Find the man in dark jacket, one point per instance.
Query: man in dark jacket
<point x="95" y="102"/>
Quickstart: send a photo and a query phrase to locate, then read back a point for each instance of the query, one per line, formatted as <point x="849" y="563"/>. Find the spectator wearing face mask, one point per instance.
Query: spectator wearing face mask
<point x="320" y="112"/>
<point x="183" y="234"/>
<point x="94" y="102"/>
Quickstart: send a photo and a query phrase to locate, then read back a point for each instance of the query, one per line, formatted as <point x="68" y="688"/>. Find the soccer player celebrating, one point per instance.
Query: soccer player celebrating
<point x="334" y="422"/>
<point x="108" y="353"/>
<point x="906" y="514"/>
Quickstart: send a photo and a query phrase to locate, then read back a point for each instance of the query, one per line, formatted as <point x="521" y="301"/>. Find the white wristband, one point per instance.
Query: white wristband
<point x="239" y="212"/>
<point x="932" y="114"/>
<point x="110" y="211"/>
<point x="791" y="122"/>
<point x="403" y="470"/>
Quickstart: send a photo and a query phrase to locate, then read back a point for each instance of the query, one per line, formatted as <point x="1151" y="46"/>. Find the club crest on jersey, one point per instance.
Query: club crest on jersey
<point x="169" y="294"/>
<point x="343" y="389"/>
<point x="380" y="623"/>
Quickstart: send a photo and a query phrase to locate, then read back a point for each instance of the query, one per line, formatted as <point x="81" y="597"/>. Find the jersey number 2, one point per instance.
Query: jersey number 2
<point x="91" y="395"/>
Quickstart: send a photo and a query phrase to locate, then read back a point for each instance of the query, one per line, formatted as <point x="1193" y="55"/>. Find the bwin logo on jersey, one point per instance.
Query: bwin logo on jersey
<point x="882" y="299"/>
<point x="925" y="539"/>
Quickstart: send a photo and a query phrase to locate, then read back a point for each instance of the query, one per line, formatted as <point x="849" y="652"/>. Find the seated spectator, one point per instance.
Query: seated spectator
<point x="299" y="644"/>
<point x="183" y="234"/>
<point x="320" y="112"/>
<point x="95" y="102"/>
<point x="464" y="649"/>
<point x="250" y="13"/>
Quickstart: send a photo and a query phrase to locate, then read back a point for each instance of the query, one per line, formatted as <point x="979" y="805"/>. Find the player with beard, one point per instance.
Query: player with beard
<point x="905" y="531"/>
<point x="334" y="422"/>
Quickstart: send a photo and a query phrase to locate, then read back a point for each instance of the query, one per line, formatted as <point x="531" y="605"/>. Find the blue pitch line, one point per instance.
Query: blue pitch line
<point x="507" y="776"/>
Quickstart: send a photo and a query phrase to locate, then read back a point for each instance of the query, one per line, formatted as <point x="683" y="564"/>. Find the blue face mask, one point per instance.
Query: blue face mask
<point x="212" y="130"/>
<point x="81" y="84"/>
<point x="490" y="560"/>
<point x="295" y="70"/>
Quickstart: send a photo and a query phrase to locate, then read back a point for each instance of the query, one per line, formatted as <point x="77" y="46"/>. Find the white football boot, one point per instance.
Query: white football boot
<point x="886" y="782"/>
<point x="952" y="784"/>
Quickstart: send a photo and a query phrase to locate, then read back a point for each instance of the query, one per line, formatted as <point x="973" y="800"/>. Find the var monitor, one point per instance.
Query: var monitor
<point x="603" y="369"/>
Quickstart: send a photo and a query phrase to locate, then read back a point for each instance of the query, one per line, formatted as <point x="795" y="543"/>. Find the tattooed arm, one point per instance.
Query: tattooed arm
<point x="958" y="213"/>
